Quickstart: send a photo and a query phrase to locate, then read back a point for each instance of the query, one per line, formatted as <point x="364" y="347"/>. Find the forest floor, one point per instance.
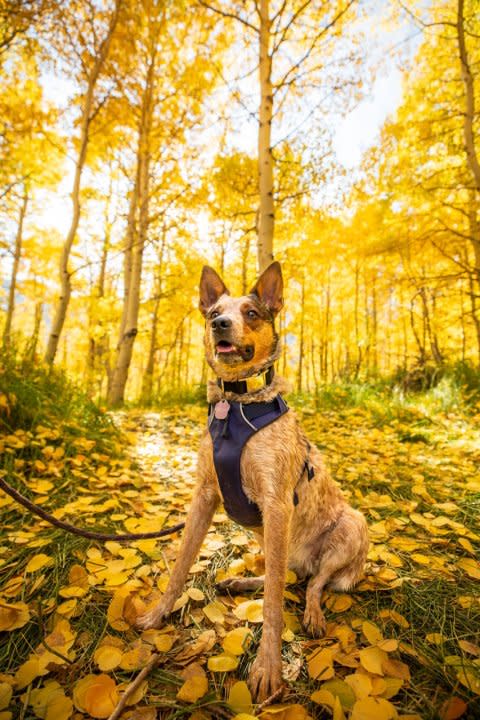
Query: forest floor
<point x="404" y="643"/>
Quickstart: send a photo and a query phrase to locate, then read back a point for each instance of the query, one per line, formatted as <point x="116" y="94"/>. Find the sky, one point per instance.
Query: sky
<point x="360" y="128"/>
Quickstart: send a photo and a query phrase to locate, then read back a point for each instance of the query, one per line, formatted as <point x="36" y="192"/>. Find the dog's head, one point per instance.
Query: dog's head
<point x="240" y="338"/>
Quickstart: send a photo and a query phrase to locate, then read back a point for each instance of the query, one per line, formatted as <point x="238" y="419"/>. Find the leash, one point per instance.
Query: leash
<point x="91" y="534"/>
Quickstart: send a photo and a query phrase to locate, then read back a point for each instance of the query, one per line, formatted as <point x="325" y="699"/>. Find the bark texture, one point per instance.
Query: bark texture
<point x="266" y="215"/>
<point x="137" y="235"/>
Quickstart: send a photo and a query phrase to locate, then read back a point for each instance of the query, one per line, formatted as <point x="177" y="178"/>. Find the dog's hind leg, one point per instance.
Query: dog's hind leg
<point x="340" y="566"/>
<point x="241" y="584"/>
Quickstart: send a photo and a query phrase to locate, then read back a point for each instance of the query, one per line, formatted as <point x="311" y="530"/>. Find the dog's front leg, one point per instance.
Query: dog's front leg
<point x="266" y="673"/>
<point x="204" y="504"/>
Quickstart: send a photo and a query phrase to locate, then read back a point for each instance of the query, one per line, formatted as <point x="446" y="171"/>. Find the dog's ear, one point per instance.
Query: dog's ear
<point x="211" y="288"/>
<point x="269" y="288"/>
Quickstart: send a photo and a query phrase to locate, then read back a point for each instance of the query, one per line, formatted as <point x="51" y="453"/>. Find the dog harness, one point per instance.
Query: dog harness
<point x="231" y="425"/>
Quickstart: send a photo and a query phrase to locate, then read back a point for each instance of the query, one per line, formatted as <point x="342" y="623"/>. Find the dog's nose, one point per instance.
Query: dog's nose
<point x="222" y="322"/>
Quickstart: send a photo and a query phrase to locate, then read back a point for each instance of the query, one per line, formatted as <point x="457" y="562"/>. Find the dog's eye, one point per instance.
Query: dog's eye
<point x="214" y="314"/>
<point x="252" y="314"/>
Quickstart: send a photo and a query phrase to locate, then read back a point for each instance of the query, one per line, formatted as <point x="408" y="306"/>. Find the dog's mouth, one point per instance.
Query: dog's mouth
<point x="227" y="349"/>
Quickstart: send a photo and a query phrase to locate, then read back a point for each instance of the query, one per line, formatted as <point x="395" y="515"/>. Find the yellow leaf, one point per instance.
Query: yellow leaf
<point x="67" y="608"/>
<point x="13" y="616"/>
<point x="37" y="562"/>
<point x="136" y="658"/>
<point x="320" y="664"/>
<point x="470" y="679"/>
<point x="370" y="708"/>
<point x="6" y="692"/>
<point x="360" y="684"/>
<point x="237" y="641"/>
<point x="180" y="602"/>
<point x="195" y="594"/>
<point x="395" y="617"/>
<point x="254" y="612"/>
<point x="371" y="659"/>
<point x="107" y="657"/>
<point x="470" y="566"/>
<point x="341" y="690"/>
<point x="338" y="713"/>
<point x="214" y="612"/>
<point x="240" y="698"/>
<point x="392" y="686"/>
<point x="435" y="638"/>
<point x="50" y="702"/>
<point x="388" y="645"/>
<point x="372" y="632"/>
<point x="466" y="545"/>
<point x="115" y="611"/>
<point x="251" y="610"/>
<point x="195" y="685"/>
<point x="27" y="672"/>
<point x="96" y="694"/>
<point x="338" y="603"/>
<point x="72" y="591"/>
<point x="323" y="697"/>
<point x="378" y="686"/>
<point x="222" y="663"/>
<point x="164" y="642"/>
<point x="285" y="712"/>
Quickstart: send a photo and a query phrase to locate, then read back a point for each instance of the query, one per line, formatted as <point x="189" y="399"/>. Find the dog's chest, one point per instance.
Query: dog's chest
<point x="231" y="426"/>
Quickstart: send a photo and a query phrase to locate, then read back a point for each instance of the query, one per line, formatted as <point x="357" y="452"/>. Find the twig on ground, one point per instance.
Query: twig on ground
<point x="154" y="660"/>
<point x="278" y="693"/>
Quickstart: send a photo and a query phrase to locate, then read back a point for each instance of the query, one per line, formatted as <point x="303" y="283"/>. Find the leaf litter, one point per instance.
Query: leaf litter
<point x="403" y="643"/>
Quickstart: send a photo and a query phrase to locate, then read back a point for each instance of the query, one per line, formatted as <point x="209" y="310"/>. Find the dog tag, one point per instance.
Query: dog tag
<point x="221" y="409"/>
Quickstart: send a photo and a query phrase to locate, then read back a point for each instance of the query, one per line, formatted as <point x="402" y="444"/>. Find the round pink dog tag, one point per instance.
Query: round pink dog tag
<point x="221" y="409"/>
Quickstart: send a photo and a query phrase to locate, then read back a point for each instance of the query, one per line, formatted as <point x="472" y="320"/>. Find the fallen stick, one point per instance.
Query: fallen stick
<point x="154" y="660"/>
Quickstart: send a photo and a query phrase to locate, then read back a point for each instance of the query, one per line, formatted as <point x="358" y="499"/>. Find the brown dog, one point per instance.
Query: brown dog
<point x="278" y="484"/>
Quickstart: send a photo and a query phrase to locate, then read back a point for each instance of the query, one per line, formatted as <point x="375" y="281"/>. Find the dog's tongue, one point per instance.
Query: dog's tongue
<point x="225" y="348"/>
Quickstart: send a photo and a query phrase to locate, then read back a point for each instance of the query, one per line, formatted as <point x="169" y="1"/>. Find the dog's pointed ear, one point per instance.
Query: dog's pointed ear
<point x="269" y="288"/>
<point x="211" y="288"/>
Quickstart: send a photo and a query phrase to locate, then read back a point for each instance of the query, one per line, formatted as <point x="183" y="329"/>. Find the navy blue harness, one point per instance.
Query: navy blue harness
<point x="229" y="436"/>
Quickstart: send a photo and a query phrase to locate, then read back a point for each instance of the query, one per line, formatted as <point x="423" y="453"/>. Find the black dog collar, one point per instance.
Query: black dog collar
<point x="240" y="387"/>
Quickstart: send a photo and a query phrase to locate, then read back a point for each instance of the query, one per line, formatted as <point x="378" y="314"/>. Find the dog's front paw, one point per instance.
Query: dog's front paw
<point x="265" y="679"/>
<point x="151" y="619"/>
<point x="314" y="620"/>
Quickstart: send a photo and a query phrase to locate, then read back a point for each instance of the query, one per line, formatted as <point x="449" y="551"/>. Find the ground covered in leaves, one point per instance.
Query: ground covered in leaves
<point x="404" y="643"/>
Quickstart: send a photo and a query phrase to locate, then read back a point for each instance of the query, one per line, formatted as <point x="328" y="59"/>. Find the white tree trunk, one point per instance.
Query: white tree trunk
<point x="266" y="214"/>
<point x="13" y="277"/>
<point x="134" y="253"/>
<point x="469" y="114"/>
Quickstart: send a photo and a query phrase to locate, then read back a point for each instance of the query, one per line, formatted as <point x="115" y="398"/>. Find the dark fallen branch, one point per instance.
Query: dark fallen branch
<point x="91" y="534"/>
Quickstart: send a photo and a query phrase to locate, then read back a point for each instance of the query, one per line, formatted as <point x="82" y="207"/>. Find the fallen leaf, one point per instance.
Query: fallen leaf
<point x="195" y="685"/>
<point x="370" y="708"/>
<point x="240" y="698"/>
<point x="222" y="663"/>
<point x="237" y="641"/>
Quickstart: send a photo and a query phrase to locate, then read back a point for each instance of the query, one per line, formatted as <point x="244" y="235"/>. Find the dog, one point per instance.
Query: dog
<point x="276" y="483"/>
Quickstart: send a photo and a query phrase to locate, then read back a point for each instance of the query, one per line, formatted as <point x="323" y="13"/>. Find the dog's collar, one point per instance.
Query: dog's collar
<point x="240" y="387"/>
